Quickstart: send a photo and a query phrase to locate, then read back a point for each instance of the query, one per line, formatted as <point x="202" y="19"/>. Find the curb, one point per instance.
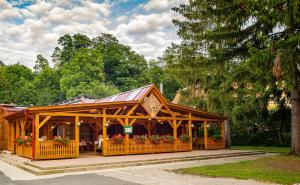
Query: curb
<point x="37" y="170"/>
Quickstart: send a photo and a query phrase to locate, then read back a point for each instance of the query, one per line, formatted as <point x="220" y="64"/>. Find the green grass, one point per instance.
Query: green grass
<point x="280" y="169"/>
<point x="262" y="148"/>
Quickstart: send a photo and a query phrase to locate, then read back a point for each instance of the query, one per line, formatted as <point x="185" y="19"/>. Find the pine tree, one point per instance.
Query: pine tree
<point x="258" y="37"/>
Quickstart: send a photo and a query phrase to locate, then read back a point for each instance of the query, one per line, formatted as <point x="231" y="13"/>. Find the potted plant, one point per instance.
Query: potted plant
<point x="140" y="139"/>
<point x="27" y="140"/>
<point x="155" y="139"/>
<point x="117" y="139"/>
<point x="168" y="139"/>
<point x="61" y="141"/>
<point x="19" y="140"/>
<point x="184" y="138"/>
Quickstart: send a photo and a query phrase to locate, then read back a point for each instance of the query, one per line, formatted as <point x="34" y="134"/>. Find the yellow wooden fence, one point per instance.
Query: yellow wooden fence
<point x="146" y="147"/>
<point x="24" y="150"/>
<point x="54" y="150"/>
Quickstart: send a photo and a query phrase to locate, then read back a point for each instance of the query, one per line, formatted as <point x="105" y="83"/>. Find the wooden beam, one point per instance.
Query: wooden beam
<point x="126" y="139"/>
<point x="223" y="132"/>
<point x="104" y="146"/>
<point x="117" y="111"/>
<point x="44" y="121"/>
<point x="190" y="131"/>
<point x="77" y="134"/>
<point x="205" y="134"/>
<point x="37" y="135"/>
<point x="132" y="109"/>
<point x="175" y="134"/>
<point x="67" y="114"/>
<point x="179" y="122"/>
<point x="120" y="121"/>
<point x="132" y="122"/>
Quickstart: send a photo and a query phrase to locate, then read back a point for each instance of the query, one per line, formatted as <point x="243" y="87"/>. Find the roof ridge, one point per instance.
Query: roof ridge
<point x="125" y="92"/>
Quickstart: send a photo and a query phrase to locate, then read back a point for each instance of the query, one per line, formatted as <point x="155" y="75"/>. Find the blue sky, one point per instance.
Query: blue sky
<point x="31" y="27"/>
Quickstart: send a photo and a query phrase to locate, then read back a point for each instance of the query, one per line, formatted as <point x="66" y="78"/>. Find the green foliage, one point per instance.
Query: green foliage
<point x="96" y="67"/>
<point x="228" y="51"/>
<point x="123" y="67"/>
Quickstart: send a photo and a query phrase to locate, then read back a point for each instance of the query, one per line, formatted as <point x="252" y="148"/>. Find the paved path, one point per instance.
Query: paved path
<point x="146" y="175"/>
<point x="86" y="159"/>
<point x="160" y="174"/>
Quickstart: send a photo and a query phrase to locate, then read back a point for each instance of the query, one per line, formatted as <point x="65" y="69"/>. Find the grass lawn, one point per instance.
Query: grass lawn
<point x="282" y="169"/>
<point x="262" y="148"/>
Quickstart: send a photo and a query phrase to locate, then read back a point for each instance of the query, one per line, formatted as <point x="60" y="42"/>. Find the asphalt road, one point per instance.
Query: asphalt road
<point x="83" y="179"/>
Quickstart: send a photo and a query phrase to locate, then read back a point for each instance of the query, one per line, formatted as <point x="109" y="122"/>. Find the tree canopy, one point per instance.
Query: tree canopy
<point x="244" y="54"/>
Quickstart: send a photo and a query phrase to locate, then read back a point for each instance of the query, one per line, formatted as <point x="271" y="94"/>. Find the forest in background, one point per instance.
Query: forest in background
<point x="230" y="61"/>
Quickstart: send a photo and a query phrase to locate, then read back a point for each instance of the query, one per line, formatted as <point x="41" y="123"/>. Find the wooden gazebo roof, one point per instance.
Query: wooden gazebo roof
<point x="128" y="98"/>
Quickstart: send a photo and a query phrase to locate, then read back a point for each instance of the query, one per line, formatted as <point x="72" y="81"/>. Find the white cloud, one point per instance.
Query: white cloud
<point x="162" y="5"/>
<point x="148" y="33"/>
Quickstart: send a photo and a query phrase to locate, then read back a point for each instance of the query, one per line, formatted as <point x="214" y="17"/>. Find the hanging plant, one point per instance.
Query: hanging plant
<point x="19" y="140"/>
<point x="155" y="139"/>
<point x="117" y="139"/>
<point x="184" y="138"/>
<point x="168" y="139"/>
<point x="140" y="139"/>
<point x="61" y="141"/>
<point x="27" y="140"/>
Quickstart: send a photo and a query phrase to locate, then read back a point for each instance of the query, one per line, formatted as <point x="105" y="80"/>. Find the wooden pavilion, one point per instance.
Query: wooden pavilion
<point x="134" y="122"/>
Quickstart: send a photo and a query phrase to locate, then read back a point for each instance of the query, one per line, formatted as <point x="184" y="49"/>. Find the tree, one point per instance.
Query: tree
<point x="84" y="74"/>
<point x="161" y="75"/>
<point x="1" y="63"/>
<point x="16" y="85"/>
<point x="250" y="37"/>
<point x="124" y="68"/>
<point x="40" y="63"/>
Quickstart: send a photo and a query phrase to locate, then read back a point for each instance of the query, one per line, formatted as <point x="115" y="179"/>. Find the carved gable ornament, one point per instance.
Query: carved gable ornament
<point x="152" y="105"/>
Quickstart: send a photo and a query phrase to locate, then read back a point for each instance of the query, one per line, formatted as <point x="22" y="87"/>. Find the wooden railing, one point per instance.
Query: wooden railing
<point x="24" y="150"/>
<point x="214" y="144"/>
<point x="147" y="147"/>
<point x="53" y="150"/>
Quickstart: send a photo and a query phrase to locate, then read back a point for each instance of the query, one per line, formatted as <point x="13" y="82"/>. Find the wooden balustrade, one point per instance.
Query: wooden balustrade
<point x="146" y="147"/>
<point x="24" y="150"/>
<point x="213" y="144"/>
<point x="54" y="150"/>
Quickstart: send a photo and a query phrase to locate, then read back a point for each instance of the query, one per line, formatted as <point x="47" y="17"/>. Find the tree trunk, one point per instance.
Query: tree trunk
<point x="295" y="125"/>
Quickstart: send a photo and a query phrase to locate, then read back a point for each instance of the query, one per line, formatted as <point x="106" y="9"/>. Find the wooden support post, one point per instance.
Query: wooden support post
<point x="104" y="144"/>
<point x="148" y="129"/>
<point x="37" y="136"/>
<point x="205" y="134"/>
<point x="175" y="134"/>
<point x="22" y="124"/>
<point x="77" y="134"/>
<point x="190" y="131"/>
<point x="126" y="139"/>
<point x="17" y="129"/>
<point x="33" y="138"/>
<point x="223" y="133"/>
<point x="13" y="137"/>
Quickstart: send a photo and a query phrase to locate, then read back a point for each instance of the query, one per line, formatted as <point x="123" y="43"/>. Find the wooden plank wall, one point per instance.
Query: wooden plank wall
<point x="3" y="130"/>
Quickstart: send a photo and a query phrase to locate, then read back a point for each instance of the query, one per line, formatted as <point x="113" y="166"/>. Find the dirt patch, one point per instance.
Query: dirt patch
<point x="292" y="165"/>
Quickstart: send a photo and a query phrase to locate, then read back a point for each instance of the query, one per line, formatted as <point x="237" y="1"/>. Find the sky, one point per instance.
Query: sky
<point x="32" y="27"/>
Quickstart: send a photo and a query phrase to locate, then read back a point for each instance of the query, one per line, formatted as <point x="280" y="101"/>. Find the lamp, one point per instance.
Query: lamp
<point x="207" y="126"/>
<point x="107" y="124"/>
<point x="192" y="125"/>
